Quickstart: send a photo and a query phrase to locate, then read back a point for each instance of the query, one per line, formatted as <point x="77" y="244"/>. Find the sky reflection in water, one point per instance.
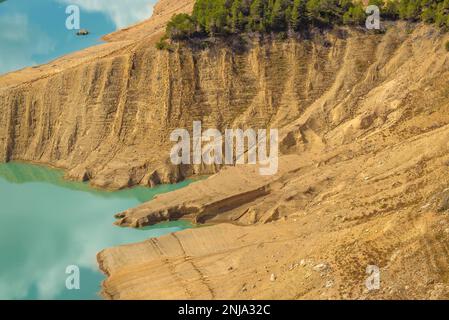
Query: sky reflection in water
<point x="49" y="224"/>
<point x="33" y="31"/>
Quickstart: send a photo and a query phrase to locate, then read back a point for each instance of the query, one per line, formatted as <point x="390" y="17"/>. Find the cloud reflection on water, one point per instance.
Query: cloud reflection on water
<point x="122" y="13"/>
<point x="16" y="37"/>
<point x="47" y="226"/>
<point x="34" y="32"/>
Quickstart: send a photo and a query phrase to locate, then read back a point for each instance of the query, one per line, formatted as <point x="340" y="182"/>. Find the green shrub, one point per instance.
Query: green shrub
<point x="355" y="15"/>
<point x="428" y="15"/>
<point x="447" y="46"/>
<point x="162" y="44"/>
<point x="181" y="26"/>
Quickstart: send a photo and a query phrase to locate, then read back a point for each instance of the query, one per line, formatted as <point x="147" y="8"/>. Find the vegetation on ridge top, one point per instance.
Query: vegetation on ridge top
<point x="227" y="17"/>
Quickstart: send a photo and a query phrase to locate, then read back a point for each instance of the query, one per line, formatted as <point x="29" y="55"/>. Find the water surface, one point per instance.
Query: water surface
<point x="48" y="223"/>
<point x="34" y="31"/>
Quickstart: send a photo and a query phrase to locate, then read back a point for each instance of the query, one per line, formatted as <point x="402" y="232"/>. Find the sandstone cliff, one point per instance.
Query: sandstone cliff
<point x="364" y="127"/>
<point x="363" y="181"/>
<point x="97" y="113"/>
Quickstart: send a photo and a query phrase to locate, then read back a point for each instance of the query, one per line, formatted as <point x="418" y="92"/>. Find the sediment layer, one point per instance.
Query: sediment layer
<point x="366" y="119"/>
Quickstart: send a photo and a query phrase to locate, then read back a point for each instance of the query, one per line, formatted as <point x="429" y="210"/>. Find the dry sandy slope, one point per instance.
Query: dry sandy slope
<point x="363" y="179"/>
<point x="369" y="186"/>
<point x="387" y="209"/>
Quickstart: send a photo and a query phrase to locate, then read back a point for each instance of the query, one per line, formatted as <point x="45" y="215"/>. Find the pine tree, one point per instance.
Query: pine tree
<point x="181" y="26"/>
<point x="409" y="9"/>
<point x="237" y="18"/>
<point x="298" y="16"/>
<point x="390" y="10"/>
<point x="355" y="15"/>
<point x="256" y="16"/>
<point x="428" y="14"/>
<point x="218" y="16"/>
<point x="200" y="13"/>
<point x="277" y="19"/>
<point x="324" y="12"/>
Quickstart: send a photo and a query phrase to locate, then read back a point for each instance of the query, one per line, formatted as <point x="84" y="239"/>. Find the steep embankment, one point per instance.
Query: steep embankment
<point x="99" y="113"/>
<point x="363" y="177"/>
<point x="364" y="121"/>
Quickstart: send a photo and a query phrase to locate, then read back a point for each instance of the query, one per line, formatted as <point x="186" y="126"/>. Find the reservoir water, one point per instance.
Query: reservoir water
<point x="48" y="224"/>
<point x="34" y="31"/>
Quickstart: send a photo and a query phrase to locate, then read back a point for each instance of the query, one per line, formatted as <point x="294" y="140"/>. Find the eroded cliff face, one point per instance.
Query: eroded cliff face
<point x="109" y="119"/>
<point x="363" y="176"/>
<point x="93" y="111"/>
<point x="363" y="180"/>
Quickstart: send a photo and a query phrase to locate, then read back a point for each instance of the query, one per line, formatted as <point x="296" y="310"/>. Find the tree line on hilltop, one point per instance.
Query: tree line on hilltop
<point x="227" y="17"/>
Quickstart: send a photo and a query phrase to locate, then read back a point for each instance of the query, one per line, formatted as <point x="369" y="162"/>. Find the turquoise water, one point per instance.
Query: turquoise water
<point x="48" y="223"/>
<point x="34" y="31"/>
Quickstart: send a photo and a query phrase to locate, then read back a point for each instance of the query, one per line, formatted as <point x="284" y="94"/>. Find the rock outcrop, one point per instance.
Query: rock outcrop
<point x="209" y="199"/>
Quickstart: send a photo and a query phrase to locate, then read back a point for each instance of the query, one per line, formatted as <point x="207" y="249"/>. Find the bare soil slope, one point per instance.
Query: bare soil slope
<point x="363" y="178"/>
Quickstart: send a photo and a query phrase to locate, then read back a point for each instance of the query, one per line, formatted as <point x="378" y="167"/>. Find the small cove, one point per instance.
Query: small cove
<point x="49" y="223"/>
